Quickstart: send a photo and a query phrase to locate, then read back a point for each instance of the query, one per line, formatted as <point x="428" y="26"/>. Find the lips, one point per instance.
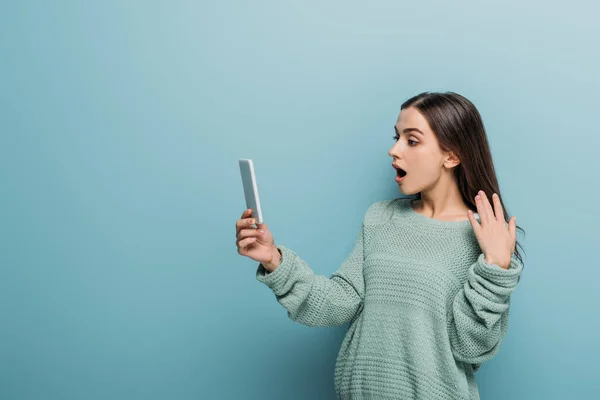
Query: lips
<point x="399" y="171"/>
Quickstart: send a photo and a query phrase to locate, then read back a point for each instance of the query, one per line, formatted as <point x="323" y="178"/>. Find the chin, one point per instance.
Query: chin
<point x="406" y="191"/>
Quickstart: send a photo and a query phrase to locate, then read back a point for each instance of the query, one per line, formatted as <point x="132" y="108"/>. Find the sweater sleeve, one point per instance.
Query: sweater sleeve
<point x="479" y="315"/>
<point x="316" y="300"/>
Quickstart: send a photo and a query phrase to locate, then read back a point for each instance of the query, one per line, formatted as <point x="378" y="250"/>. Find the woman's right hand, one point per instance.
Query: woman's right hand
<point x="254" y="244"/>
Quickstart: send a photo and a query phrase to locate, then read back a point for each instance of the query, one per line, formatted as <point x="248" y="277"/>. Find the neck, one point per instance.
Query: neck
<point x="443" y="201"/>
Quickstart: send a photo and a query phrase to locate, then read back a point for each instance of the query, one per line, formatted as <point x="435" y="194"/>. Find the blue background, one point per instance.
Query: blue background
<point x="121" y="126"/>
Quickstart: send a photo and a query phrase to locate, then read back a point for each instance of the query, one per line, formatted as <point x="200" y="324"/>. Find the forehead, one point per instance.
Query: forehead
<point x="412" y="118"/>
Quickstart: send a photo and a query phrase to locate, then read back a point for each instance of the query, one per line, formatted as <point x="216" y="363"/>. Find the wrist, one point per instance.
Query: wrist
<point x="503" y="265"/>
<point x="275" y="260"/>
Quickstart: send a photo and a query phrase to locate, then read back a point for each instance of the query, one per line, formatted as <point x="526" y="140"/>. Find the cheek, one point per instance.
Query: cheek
<point x="427" y="164"/>
<point x="420" y="157"/>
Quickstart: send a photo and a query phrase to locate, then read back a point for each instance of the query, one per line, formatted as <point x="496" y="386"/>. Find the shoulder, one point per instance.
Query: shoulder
<point x="382" y="210"/>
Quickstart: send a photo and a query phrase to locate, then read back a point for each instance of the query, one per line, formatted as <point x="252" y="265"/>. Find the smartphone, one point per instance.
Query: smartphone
<point x="250" y="188"/>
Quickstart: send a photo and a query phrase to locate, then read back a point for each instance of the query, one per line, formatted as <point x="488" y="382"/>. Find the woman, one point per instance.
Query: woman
<point x="427" y="286"/>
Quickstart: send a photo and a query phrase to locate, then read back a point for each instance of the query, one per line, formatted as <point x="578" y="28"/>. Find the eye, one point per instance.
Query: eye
<point x="411" y="143"/>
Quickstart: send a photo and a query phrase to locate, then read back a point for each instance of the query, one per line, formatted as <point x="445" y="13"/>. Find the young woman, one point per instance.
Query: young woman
<point x="427" y="286"/>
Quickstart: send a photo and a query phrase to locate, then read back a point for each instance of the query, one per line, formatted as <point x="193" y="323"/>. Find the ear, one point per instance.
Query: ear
<point x="452" y="160"/>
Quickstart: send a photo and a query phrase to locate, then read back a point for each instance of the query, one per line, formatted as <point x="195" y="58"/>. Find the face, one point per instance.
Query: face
<point x="416" y="150"/>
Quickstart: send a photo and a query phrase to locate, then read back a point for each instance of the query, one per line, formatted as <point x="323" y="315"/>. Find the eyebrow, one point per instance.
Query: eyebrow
<point x="408" y="130"/>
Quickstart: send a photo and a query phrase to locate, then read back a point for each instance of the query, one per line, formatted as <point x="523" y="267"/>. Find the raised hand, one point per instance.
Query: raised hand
<point x="496" y="238"/>
<point x="256" y="243"/>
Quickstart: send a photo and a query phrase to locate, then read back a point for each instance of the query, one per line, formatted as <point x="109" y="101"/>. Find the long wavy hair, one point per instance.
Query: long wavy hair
<point x="458" y="126"/>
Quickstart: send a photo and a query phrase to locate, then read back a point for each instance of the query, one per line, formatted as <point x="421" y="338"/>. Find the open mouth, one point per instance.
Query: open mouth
<point x="400" y="172"/>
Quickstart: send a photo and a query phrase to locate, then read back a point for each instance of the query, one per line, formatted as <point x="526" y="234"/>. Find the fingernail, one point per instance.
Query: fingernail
<point x="261" y="231"/>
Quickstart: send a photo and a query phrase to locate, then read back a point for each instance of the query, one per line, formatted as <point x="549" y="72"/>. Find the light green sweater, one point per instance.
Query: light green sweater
<point x="424" y="307"/>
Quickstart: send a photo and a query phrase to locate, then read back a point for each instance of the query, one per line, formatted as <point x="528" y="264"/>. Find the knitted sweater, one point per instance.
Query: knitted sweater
<point x="425" y="308"/>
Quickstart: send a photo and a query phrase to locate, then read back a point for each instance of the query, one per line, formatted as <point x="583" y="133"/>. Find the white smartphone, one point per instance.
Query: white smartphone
<point x="250" y="188"/>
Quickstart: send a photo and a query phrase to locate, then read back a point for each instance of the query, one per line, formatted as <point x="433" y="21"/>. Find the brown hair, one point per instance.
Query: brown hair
<point x="458" y="127"/>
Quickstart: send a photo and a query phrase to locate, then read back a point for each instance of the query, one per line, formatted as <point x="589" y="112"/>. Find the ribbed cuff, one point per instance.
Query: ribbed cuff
<point x="498" y="275"/>
<point x="277" y="279"/>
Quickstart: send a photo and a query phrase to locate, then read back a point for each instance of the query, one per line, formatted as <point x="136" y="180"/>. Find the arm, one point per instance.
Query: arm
<point x="479" y="316"/>
<point x="315" y="300"/>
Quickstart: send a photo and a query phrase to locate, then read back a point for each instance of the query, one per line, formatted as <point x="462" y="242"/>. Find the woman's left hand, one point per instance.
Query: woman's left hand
<point x="496" y="239"/>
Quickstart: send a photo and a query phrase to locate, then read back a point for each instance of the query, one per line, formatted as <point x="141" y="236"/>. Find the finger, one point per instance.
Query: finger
<point x="486" y="207"/>
<point x="498" y="207"/>
<point x="483" y="217"/>
<point x="473" y="221"/>
<point x="245" y="242"/>
<point x="241" y="250"/>
<point x="240" y="222"/>
<point x="244" y="233"/>
<point x="512" y="227"/>
<point x="513" y="230"/>
<point x="244" y="223"/>
<point x="246" y="213"/>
